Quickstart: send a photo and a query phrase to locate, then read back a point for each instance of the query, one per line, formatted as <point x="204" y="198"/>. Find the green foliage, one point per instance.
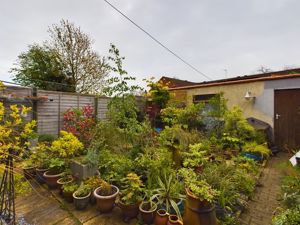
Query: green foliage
<point x="199" y="187"/>
<point x="237" y="126"/>
<point x="218" y="106"/>
<point x="48" y="138"/>
<point x="93" y="182"/>
<point x="177" y="137"/>
<point x="230" y="142"/>
<point x="70" y="187"/>
<point x="158" y="93"/>
<point x="291" y="191"/>
<point x="151" y="162"/>
<point x="168" y="193"/>
<point x="119" y="85"/>
<point x="40" y="67"/>
<point x="106" y="189"/>
<point x="114" y="167"/>
<point x="132" y="189"/>
<point x="255" y="148"/>
<point x="56" y="165"/>
<point x="83" y="190"/>
<point x="196" y="156"/>
<point x="188" y="117"/>
<point x="41" y="155"/>
<point x="287" y="217"/>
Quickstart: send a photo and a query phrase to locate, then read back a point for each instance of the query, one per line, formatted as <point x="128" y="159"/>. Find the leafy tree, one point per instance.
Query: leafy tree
<point x="86" y="68"/>
<point x="67" y="58"/>
<point x="40" y="67"/>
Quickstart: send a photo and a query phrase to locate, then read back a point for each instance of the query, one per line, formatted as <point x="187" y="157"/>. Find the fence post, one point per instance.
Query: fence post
<point x="34" y="107"/>
<point x="96" y="108"/>
<point x="58" y="126"/>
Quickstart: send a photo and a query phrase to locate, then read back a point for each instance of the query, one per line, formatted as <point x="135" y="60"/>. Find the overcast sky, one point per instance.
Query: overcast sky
<point x="215" y="36"/>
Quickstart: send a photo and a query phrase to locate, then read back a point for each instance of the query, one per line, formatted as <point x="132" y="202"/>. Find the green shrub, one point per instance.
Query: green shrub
<point x="47" y="138"/>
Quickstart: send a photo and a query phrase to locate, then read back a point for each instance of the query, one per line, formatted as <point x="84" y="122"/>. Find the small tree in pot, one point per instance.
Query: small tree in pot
<point x="131" y="196"/>
<point x="106" y="196"/>
<point x="82" y="197"/>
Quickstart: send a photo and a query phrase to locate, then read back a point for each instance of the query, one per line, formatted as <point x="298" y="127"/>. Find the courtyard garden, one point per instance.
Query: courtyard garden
<point x="188" y="164"/>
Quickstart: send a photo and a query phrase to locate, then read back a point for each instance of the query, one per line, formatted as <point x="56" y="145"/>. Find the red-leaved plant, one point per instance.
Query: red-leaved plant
<point x="80" y="122"/>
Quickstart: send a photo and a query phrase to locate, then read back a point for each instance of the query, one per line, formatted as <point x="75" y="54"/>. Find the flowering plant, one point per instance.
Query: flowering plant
<point x="67" y="145"/>
<point x="14" y="130"/>
<point x="80" y="123"/>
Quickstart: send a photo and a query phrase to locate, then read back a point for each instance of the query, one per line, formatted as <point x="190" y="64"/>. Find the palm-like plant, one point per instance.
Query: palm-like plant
<point x="168" y="193"/>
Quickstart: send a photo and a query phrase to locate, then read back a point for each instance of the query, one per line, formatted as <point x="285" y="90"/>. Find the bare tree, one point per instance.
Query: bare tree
<point x="85" y="67"/>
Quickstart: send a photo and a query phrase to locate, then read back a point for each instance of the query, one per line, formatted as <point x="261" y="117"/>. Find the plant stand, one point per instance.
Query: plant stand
<point x="7" y="193"/>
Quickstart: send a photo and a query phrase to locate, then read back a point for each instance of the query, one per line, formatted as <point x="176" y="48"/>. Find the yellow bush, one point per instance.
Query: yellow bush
<point x="67" y="145"/>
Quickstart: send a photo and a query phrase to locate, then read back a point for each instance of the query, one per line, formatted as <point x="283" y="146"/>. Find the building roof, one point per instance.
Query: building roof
<point x="174" y="82"/>
<point x="284" y="74"/>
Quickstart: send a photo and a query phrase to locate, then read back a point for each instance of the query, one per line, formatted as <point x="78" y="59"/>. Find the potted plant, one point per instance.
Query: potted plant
<point x="68" y="190"/>
<point x="130" y="196"/>
<point x="200" y="208"/>
<point x="256" y="151"/>
<point x="148" y="208"/>
<point x="82" y="197"/>
<point x="93" y="182"/>
<point x="106" y="196"/>
<point x="56" y="168"/>
<point x="195" y="158"/>
<point x="28" y="169"/>
<point x="168" y="194"/>
<point x="40" y="156"/>
<point x="66" y="179"/>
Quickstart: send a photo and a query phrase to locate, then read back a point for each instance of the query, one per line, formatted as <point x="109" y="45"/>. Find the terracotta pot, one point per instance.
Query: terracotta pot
<point x="174" y="220"/>
<point x="129" y="211"/>
<point x="40" y="175"/>
<point x="29" y="172"/>
<point x="61" y="182"/>
<point x="105" y="204"/>
<point x="81" y="202"/>
<point x="147" y="213"/>
<point x="51" y="179"/>
<point x="198" y="212"/>
<point x="68" y="196"/>
<point x="161" y="217"/>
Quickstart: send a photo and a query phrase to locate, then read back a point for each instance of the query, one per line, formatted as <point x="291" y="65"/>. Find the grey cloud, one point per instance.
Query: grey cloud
<point x="213" y="35"/>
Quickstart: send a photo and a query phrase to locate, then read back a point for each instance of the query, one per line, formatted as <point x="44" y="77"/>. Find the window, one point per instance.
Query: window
<point x="202" y="98"/>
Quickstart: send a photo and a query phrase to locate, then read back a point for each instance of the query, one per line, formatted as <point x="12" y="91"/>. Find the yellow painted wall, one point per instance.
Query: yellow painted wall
<point x="235" y="93"/>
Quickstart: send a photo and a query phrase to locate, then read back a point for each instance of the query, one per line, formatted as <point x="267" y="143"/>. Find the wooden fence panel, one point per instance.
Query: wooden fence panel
<point x="51" y="105"/>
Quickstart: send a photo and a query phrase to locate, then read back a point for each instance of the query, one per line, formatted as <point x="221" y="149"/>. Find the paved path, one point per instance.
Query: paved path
<point x="265" y="201"/>
<point x="43" y="207"/>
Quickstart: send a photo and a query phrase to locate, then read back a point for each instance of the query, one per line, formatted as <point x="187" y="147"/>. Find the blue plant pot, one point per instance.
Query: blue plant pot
<point x="256" y="157"/>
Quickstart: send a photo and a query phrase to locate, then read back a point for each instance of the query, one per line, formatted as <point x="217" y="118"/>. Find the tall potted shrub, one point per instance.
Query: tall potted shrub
<point x="131" y="196"/>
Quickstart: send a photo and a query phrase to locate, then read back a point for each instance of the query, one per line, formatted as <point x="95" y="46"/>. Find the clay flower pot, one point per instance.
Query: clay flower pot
<point x="148" y="212"/>
<point x="62" y="181"/>
<point x="81" y="202"/>
<point x="105" y="204"/>
<point x="40" y="175"/>
<point x="174" y="220"/>
<point x="51" y="179"/>
<point x="129" y="211"/>
<point x="29" y="172"/>
<point x="161" y="217"/>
